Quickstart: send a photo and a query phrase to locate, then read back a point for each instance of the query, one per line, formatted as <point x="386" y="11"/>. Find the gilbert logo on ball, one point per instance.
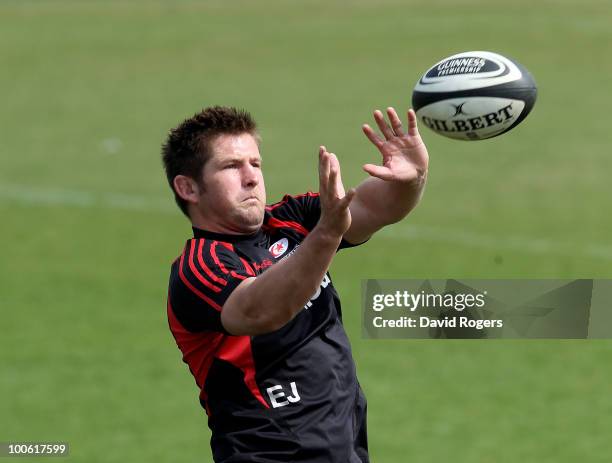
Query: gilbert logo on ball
<point x="474" y="95"/>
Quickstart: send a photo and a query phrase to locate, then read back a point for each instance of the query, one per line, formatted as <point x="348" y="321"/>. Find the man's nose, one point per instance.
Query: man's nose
<point x="250" y="176"/>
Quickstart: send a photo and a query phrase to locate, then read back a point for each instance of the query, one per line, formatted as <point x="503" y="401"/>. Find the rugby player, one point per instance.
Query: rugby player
<point x="250" y="302"/>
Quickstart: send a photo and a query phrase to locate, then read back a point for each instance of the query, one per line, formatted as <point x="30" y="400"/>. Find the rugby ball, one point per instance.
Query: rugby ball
<point x="474" y="95"/>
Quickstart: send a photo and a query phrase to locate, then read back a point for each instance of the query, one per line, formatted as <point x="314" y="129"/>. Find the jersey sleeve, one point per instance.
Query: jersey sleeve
<point x="202" y="280"/>
<point x="305" y="210"/>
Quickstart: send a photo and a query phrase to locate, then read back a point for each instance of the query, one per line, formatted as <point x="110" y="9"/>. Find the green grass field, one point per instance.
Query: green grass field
<point x="89" y="229"/>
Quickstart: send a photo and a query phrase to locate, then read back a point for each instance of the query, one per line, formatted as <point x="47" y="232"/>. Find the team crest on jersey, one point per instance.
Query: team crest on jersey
<point x="279" y="248"/>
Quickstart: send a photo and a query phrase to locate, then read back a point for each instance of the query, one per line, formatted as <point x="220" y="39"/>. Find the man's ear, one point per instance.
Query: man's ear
<point x="187" y="188"/>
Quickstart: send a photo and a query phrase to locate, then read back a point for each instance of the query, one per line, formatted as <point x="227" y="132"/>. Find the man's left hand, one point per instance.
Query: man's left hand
<point x="404" y="155"/>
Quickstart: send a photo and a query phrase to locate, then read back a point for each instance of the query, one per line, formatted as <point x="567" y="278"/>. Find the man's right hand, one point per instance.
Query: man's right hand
<point x="335" y="217"/>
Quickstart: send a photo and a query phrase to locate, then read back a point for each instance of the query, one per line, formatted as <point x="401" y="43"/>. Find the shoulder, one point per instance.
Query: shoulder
<point x="201" y="280"/>
<point x="205" y="268"/>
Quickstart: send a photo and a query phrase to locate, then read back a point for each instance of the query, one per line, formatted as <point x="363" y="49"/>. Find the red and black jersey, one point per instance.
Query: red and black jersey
<point x="287" y="396"/>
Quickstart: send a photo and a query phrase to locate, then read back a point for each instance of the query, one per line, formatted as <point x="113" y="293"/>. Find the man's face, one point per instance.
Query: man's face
<point x="234" y="195"/>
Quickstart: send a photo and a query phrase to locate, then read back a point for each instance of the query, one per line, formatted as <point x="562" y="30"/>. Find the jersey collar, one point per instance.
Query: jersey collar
<point x="225" y="237"/>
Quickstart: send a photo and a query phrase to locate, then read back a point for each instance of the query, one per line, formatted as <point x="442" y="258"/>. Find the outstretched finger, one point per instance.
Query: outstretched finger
<point x="337" y="186"/>
<point x="334" y="174"/>
<point x="372" y="136"/>
<point x="412" y="123"/>
<point x="396" y="122"/>
<point x="382" y="124"/>
<point x="323" y="170"/>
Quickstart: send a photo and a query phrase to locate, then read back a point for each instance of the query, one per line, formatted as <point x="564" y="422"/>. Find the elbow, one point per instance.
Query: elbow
<point x="250" y="321"/>
<point x="264" y="324"/>
<point x="270" y="325"/>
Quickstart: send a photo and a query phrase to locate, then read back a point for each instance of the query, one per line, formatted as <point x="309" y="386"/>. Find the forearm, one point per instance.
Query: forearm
<point x="379" y="202"/>
<point x="269" y="301"/>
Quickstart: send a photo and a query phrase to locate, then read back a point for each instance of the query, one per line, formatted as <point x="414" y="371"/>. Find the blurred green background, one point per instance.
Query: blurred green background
<point x="88" y="91"/>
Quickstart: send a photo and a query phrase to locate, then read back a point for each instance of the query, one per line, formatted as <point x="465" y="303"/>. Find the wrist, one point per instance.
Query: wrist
<point x="415" y="183"/>
<point x="325" y="236"/>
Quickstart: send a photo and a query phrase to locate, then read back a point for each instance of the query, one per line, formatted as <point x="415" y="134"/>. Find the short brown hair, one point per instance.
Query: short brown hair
<point x="188" y="146"/>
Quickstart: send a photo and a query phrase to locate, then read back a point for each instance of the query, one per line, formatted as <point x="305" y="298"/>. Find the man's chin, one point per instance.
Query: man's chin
<point x="250" y="221"/>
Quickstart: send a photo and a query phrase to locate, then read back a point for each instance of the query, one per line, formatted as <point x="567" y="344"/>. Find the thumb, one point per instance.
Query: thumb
<point x="381" y="172"/>
<point x="348" y="197"/>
